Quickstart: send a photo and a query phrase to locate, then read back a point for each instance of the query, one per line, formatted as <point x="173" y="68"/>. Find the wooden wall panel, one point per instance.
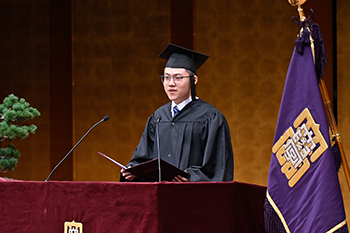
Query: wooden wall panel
<point x="250" y="47"/>
<point x="116" y="72"/>
<point x="61" y="123"/>
<point x="182" y="22"/>
<point x="343" y="51"/>
<point x="24" y="72"/>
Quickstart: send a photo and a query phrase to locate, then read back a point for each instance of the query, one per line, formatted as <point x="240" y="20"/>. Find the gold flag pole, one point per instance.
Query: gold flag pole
<point x="300" y="10"/>
<point x="329" y="113"/>
<point x="334" y="129"/>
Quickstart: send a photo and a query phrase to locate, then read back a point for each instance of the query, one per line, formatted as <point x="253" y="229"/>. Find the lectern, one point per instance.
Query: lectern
<point x="33" y="206"/>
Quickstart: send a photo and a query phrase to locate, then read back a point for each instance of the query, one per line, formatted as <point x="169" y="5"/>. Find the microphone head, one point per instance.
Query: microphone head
<point x="106" y="118"/>
<point x="159" y="118"/>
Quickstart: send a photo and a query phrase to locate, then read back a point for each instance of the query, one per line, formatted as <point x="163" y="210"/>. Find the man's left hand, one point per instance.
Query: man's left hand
<point x="180" y="179"/>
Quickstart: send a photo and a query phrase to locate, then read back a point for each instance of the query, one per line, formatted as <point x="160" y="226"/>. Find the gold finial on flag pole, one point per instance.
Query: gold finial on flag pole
<point x="298" y="3"/>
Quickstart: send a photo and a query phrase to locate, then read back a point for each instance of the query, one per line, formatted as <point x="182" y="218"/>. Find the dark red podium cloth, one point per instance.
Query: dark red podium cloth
<point x="32" y="206"/>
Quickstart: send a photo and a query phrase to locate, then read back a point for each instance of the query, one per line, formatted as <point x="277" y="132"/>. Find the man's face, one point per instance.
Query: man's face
<point x="175" y="91"/>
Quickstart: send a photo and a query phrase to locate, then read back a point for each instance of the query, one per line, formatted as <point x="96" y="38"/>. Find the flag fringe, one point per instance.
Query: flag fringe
<point x="337" y="155"/>
<point x="320" y="52"/>
<point x="306" y="28"/>
<point x="273" y="223"/>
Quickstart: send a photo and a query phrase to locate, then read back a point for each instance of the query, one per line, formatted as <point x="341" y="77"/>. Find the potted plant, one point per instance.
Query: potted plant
<point x="13" y="113"/>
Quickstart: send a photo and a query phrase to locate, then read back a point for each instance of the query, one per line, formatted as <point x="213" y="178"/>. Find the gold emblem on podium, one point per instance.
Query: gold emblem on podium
<point x="73" y="227"/>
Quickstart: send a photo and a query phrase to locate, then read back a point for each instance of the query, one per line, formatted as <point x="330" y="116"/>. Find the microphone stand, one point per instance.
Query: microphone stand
<point x="106" y="118"/>
<point x="158" y="151"/>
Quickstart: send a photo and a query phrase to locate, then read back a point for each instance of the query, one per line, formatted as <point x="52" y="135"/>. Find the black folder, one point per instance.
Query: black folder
<point x="148" y="171"/>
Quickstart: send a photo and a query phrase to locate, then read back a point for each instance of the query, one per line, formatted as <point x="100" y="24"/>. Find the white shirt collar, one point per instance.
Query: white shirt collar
<point x="181" y="105"/>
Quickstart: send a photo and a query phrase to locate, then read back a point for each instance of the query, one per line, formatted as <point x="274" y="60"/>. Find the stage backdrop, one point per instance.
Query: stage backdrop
<point x="115" y="70"/>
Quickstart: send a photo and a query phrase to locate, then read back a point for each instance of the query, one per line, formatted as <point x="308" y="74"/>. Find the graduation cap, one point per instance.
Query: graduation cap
<point x="180" y="57"/>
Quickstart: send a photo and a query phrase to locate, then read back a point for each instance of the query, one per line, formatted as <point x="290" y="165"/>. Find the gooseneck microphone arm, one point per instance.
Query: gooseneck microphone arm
<point x="106" y="118"/>
<point x="158" y="150"/>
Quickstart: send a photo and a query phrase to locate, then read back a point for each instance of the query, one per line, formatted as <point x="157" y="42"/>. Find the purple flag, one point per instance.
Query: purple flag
<point x="303" y="191"/>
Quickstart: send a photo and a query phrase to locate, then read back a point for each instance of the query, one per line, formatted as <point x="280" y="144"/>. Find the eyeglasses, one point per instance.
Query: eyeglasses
<point x="166" y="79"/>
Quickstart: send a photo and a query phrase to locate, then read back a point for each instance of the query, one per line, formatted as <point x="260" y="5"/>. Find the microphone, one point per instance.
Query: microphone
<point x="106" y="118"/>
<point x="158" y="150"/>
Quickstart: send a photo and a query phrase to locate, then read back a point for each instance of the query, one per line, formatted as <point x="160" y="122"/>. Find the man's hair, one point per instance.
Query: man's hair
<point x="190" y="73"/>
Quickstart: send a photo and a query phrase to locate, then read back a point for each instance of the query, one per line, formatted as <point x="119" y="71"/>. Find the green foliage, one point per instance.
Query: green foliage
<point x="13" y="112"/>
<point x="8" y="158"/>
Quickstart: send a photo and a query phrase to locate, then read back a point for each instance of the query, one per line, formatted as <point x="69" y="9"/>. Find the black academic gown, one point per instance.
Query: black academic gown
<point x="197" y="140"/>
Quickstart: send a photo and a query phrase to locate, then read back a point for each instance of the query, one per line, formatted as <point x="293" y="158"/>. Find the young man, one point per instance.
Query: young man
<point x="193" y="135"/>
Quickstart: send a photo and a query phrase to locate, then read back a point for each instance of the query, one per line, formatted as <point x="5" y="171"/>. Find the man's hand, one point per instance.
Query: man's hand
<point x="127" y="175"/>
<point x="180" y="179"/>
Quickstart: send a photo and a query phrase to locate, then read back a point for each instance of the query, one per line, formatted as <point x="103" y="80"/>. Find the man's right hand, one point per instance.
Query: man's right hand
<point x="127" y="175"/>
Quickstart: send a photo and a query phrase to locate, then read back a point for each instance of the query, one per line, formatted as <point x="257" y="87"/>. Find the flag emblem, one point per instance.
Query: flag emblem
<point x="297" y="148"/>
